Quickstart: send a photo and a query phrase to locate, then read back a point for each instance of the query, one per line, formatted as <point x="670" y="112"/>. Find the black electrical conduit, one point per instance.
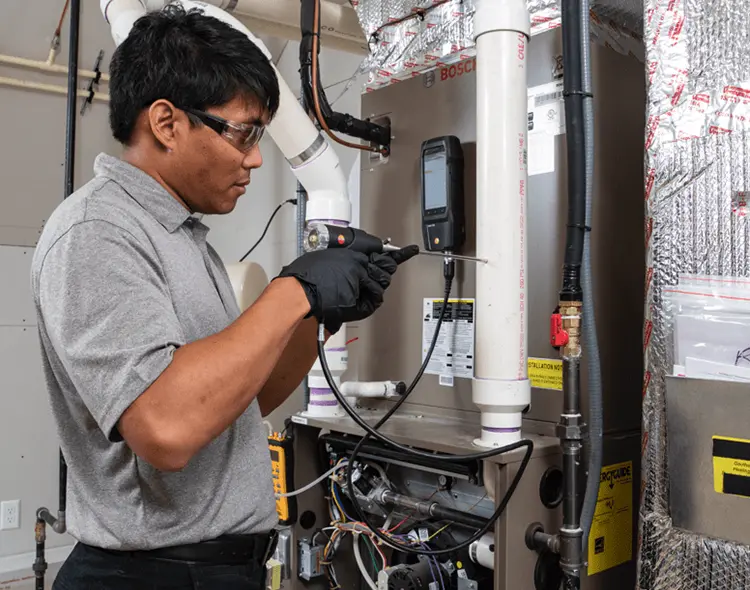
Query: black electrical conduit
<point x="341" y="122"/>
<point x="371" y="431"/>
<point x="44" y="516"/>
<point x="576" y="145"/>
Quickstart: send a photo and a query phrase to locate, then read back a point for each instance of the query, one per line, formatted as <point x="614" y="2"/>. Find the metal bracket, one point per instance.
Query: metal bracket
<point x="93" y="87"/>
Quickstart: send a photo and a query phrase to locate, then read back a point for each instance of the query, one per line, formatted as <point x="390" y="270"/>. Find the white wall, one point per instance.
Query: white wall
<point x="31" y="178"/>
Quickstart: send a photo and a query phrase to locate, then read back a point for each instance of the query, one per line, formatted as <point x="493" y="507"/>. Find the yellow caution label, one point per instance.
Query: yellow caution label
<point x="546" y="373"/>
<point x="731" y="459"/>
<point x="611" y="535"/>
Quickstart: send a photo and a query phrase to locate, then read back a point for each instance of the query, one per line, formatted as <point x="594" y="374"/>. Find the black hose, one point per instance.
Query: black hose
<point x="341" y="122"/>
<point x="573" y="95"/>
<point x="449" y="270"/>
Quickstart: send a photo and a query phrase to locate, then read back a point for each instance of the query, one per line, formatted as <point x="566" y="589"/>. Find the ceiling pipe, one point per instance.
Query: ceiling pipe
<point x="340" y="26"/>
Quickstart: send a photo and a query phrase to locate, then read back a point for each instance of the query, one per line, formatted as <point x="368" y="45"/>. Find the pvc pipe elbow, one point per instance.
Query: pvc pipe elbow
<point x="121" y="15"/>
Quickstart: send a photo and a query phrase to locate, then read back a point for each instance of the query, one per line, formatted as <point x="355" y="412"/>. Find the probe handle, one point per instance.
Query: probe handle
<point x="320" y="236"/>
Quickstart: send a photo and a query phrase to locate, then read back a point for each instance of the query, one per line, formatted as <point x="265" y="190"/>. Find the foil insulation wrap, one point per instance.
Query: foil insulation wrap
<point x="411" y="37"/>
<point x="697" y="176"/>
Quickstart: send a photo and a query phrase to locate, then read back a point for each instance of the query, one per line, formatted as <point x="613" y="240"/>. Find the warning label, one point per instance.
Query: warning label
<point x="454" y="351"/>
<point x="546" y="373"/>
<point x="611" y="536"/>
<point x="731" y="459"/>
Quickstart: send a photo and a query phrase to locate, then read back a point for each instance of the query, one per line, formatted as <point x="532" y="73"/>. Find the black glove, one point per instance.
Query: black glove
<point x="343" y="285"/>
<point x="337" y="284"/>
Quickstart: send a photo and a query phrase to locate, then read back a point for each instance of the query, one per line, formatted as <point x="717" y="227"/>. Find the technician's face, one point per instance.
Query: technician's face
<point x="217" y="156"/>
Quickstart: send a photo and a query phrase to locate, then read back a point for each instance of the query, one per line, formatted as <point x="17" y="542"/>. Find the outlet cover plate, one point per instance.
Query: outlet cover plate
<point x="10" y="515"/>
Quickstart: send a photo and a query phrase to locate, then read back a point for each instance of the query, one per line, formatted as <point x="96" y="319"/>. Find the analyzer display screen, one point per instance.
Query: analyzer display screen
<point x="435" y="181"/>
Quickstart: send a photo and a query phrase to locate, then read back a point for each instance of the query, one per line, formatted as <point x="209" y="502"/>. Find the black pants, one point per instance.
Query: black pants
<point x="89" y="568"/>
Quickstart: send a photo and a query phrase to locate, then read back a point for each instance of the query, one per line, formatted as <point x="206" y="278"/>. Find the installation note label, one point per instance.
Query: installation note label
<point x="611" y="536"/>
<point x="731" y="458"/>
<point x="546" y="373"/>
<point x="454" y="351"/>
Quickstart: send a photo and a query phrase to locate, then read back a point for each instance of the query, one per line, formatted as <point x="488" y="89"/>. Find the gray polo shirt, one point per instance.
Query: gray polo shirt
<point x="121" y="277"/>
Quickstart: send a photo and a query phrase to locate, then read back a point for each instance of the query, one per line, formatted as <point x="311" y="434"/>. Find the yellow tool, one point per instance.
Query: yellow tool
<point x="282" y="465"/>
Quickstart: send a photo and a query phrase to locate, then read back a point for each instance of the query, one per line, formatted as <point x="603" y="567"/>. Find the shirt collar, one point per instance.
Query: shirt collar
<point x="145" y="190"/>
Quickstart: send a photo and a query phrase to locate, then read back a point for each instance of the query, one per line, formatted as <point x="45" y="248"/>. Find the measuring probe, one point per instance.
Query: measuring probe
<point x="320" y="236"/>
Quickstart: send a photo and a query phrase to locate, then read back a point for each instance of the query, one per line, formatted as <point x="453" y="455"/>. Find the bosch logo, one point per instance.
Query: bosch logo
<point x="458" y="70"/>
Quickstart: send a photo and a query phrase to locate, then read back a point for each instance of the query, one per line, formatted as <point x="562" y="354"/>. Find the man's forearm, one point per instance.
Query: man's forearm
<point x="295" y="362"/>
<point x="211" y="382"/>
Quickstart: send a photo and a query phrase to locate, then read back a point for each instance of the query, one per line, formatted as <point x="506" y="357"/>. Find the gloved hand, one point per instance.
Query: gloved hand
<point x="343" y="285"/>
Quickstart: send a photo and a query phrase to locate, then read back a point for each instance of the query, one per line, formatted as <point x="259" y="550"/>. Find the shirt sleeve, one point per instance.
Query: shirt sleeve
<point x="109" y="316"/>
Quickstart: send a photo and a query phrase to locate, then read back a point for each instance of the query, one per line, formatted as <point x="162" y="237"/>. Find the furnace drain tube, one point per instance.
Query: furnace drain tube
<point x="372" y="431"/>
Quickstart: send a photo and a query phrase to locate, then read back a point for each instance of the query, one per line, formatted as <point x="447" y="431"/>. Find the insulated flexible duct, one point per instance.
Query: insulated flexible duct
<point x="595" y="418"/>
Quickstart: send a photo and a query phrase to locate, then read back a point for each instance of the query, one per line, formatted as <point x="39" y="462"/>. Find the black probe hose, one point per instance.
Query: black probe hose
<point x="461" y="458"/>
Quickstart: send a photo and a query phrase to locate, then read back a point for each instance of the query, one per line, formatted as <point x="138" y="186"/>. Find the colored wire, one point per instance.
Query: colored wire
<point x="339" y="505"/>
<point x="58" y="30"/>
<point x="433" y="535"/>
<point x="369" y="544"/>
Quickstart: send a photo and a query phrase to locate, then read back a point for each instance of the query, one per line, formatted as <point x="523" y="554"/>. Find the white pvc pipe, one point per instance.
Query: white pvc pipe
<point x="340" y="26"/>
<point x="374" y="389"/>
<point x="322" y="402"/>
<point x="482" y="552"/>
<point x="49" y="88"/>
<point x="42" y="66"/>
<point x="501" y="387"/>
<point x="337" y="20"/>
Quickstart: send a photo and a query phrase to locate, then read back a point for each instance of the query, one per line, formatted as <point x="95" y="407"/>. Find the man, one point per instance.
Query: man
<point x="157" y="382"/>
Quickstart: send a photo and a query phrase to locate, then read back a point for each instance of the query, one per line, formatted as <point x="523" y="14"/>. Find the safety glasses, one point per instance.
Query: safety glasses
<point x="243" y="136"/>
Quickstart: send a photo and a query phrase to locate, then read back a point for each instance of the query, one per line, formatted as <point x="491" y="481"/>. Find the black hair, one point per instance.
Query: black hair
<point x="191" y="59"/>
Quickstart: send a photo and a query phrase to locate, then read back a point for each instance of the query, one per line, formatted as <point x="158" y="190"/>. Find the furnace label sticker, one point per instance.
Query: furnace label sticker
<point x="611" y="535"/>
<point x="454" y="351"/>
<point x="546" y="119"/>
<point x="546" y="108"/>
<point x="731" y="459"/>
<point x="546" y="373"/>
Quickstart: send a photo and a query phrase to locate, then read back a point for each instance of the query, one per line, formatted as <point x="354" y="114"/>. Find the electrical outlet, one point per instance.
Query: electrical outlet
<point x="10" y="515"/>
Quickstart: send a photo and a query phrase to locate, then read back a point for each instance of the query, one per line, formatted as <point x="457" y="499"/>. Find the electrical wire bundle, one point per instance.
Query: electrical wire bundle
<point x="342" y="524"/>
<point x="372" y="432"/>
